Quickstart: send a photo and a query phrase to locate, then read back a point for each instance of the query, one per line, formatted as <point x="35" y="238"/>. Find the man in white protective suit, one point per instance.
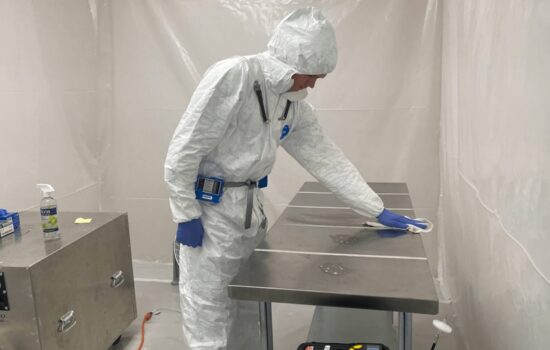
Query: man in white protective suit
<point x="220" y="155"/>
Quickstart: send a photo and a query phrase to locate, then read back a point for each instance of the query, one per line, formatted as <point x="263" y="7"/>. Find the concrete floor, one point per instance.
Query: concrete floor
<point x="291" y="322"/>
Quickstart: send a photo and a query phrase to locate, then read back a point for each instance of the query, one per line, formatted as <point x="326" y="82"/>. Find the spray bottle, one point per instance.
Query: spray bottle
<point x="48" y="212"/>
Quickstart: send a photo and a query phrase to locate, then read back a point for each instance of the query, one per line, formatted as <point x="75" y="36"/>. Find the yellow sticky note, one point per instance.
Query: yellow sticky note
<point x="83" y="220"/>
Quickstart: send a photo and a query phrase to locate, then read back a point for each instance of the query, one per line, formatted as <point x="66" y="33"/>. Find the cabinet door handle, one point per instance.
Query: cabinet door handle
<point x="117" y="279"/>
<point x="66" y="322"/>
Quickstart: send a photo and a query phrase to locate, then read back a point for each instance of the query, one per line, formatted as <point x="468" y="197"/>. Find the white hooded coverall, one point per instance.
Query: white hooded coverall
<point x="222" y="134"/>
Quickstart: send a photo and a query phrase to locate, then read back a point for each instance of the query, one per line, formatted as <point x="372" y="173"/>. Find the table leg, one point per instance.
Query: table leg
<point x="266" y="325"/>
<point x="405" y="331"/>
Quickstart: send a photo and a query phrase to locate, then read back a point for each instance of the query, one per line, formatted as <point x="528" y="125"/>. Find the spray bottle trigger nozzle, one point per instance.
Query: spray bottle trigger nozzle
<point x="46" y="189"/>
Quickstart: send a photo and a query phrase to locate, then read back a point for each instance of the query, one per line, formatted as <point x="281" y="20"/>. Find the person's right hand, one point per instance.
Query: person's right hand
<point x="190" y="233"/>
<point x="391" y="219"/>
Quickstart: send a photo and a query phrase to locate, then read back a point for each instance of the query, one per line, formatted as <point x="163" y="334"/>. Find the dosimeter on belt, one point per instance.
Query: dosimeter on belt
<point x="209" y="189"/>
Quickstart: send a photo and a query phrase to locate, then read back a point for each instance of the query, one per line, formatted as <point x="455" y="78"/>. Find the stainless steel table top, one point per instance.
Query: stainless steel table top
<point x="343" y="281"/>
<point x="304" y="216"/>
<point x="353" y="241"/>
<point x="318" y="253"/>
<point x="329" y="200"/>
<point x="26" y="245"/>
<point x="378" y="187"/>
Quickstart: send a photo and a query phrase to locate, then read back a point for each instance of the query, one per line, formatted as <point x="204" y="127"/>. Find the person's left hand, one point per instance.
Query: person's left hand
<point x="190" y="233"/>
<point x="391" y="219"/>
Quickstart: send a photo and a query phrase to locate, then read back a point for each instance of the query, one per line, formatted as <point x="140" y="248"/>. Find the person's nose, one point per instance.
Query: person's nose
<point x="311" y="83"/>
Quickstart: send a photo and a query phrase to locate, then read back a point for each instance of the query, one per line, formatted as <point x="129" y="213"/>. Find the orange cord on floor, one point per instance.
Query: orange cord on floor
<point x="147" y="317"/>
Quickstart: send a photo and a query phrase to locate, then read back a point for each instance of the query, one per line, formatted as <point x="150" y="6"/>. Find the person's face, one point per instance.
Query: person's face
<point x="302" y="81"/>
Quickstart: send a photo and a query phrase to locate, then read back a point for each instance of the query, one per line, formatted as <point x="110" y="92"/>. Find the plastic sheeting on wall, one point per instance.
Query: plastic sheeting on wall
<point x="93" y="89"/>
<point x="53" y="113"/>
<point x="381" y="103"/>
<point x="495" y="170"/>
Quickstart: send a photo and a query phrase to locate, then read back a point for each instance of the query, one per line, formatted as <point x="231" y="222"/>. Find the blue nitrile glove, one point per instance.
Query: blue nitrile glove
<point x="190" y="233"/>
<point x="391" y="219"/>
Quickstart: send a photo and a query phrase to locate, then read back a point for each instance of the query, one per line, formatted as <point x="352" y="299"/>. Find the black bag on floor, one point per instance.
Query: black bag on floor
<point x="339" y="346"/>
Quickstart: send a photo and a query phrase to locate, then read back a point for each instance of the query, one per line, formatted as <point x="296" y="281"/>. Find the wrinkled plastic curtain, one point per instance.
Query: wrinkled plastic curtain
<point x="381" y="104"/>
<point x="496" y="171"/>
<point x="54" y="101"/>
<point x="91" y="91"/>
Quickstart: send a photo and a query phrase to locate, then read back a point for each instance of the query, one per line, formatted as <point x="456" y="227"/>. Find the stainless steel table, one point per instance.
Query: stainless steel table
<point x="318" y="253"/>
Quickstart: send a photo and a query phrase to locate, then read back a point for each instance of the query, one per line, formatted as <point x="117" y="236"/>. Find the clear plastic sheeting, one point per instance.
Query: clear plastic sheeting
<point x="92" y="90"/>
<point x="53" y="120"/>
<point x="495" y="170"/>
<point x="380" y="105"/>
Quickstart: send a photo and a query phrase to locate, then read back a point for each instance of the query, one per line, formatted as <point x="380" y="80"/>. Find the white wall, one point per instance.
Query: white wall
<point x="495" y="170"/>
<point x="381" y="104"/>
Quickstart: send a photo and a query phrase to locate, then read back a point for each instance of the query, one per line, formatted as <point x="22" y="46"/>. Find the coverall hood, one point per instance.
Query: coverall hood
<point x="277" y="73"/>
<point x="305" y="41"/>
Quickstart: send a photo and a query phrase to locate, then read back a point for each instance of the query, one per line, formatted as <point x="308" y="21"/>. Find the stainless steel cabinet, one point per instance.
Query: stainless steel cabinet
<point x="73" y="293"/>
